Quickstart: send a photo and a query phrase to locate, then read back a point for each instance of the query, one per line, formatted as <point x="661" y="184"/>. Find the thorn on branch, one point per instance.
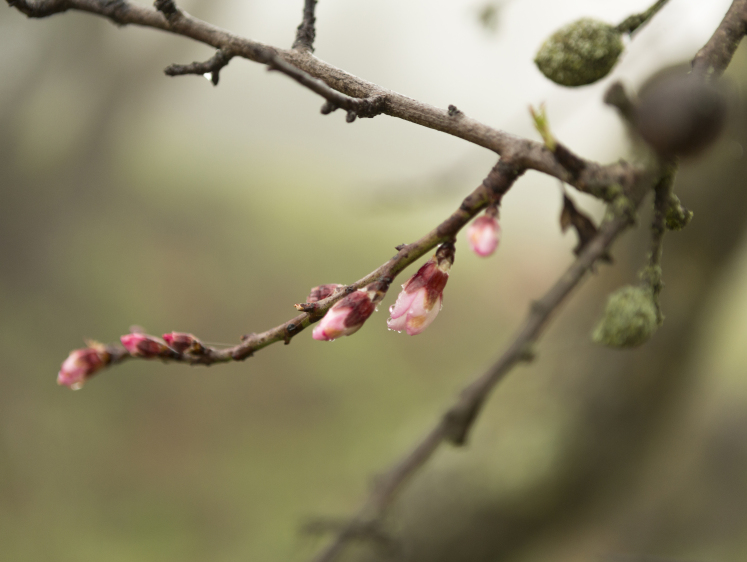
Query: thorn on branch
<point x="211" y="66"/>
<point x="350" y="116"/>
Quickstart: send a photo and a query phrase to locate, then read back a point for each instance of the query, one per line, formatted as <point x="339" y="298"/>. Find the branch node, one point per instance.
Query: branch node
<point x="167" y="8"/>
<point x="454" y="111"/>
<point x="210" y="68"/>
<point x="351" y="116"/>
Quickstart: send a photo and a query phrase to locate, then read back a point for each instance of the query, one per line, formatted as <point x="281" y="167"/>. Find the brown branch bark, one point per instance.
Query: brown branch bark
<point x="361" y="98"/>
<point x="454" y="425"/>
<point x="341" y="89"/>
<point x="306" y="32"/>
<point x="495" y="185"/>
<point x="715" y="56"/>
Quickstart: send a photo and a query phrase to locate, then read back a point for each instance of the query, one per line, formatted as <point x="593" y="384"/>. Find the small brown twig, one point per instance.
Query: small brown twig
<point x="498" y="182"/>
<point x="454" y="425"/>
<point x="632" y="24"/>
<point x="341" y="89"/>
<point x="211" y="66"/>
<point x="306" y="32"/>
<point x="716" y="54"/>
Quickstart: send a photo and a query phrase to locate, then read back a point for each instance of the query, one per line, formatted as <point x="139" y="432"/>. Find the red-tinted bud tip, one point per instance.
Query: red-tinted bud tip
<point x="421" y="298"/>
<point x="484" y="234"/>
<point x="345" y="317"/>
<point x="80" y="365"/>
<point x="182" y="342"/>
<point x="140" y="345"/>
<point x="322" y="292"/>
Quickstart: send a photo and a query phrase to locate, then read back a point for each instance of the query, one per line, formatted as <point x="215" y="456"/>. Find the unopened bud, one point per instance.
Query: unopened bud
<point x="346" y="317"/>
<point x="421" y="298"/>
<point x="182" y="342"/>
<point x="81" y="364"/>
<point x="484" y="234"/>
<point x="580" y="53"/>
<point x="630" y="318"/>
<point x="322" y="292"/>
<point x="141" y="345"/>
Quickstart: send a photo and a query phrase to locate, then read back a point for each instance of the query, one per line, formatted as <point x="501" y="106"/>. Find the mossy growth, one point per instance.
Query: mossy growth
<point x="620" y="206"/>
<point x="677" y="216"/>
<point x="630" y="318"/>
<point x="580" y="53"/>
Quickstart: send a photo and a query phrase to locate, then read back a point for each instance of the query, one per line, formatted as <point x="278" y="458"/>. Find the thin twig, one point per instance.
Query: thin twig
<point x="454" y="425"/>
<point x="306" y="32"/>
<point x="633" y="23"/>
<point x="715" y="56"/>
<point x="341" y="89"/>
<point x="211" y="66"/>
<point x="496" y="184"/>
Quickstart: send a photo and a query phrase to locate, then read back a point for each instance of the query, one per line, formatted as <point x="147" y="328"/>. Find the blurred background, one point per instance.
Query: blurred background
<point x="128" y="197"/>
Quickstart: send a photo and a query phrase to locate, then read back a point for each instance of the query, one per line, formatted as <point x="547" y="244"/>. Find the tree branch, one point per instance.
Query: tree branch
<point x="341" y="89"/>
<point x="454" y="425"/>
<point x="211" y="66"/>
<point x="306" y="32"/>
<point x="495" y="185"/>
<point x="632" y="24"/>
<point x="715" y="56"/>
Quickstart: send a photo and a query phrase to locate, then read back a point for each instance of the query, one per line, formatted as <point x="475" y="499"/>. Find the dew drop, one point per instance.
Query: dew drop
<point x="208" y="76"/>
<point x="76" y="386"/>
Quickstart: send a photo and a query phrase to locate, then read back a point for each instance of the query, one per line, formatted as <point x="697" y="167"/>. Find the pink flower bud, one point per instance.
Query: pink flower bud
<point x="322" y="292"/>
<point x="80" y="365"/>
<point x="484" y="234"/>
<point x="422" y="296"/>
<point x="140" y="345"/>
<point x="345" y="317"/>
<point x="182" y="342"/>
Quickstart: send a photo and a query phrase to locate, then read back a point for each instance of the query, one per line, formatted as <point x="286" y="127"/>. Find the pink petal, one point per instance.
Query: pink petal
<point x="402" y="305"/>
<point x="332" y="326"/>
<point x="397" y="324"/>
<point x="421" y="315"/>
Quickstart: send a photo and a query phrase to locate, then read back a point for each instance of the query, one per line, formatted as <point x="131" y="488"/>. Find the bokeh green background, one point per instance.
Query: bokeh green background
<point x="132" y="198"/>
